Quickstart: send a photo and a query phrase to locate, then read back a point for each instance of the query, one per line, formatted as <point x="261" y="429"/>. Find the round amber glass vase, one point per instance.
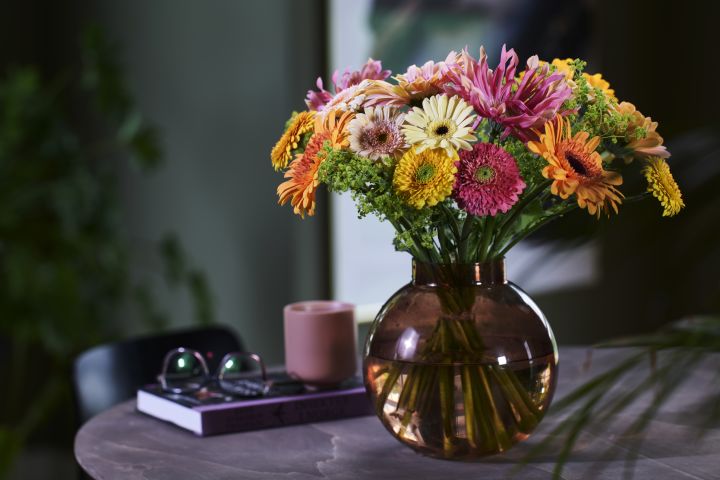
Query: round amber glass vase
<point x="460" y="363"/>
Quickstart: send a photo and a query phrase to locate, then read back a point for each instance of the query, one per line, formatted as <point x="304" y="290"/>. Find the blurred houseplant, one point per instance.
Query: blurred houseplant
<point x="65" y="259"/>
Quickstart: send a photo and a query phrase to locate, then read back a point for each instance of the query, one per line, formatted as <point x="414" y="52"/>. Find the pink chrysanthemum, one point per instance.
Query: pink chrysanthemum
<point x="519" y="105"/>
<point x="372" y="70"/>
<point x="488" y="180"/>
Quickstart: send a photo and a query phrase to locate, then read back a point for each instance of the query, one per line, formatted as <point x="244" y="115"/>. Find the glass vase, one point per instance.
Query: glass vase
<point x="460" y="363"/>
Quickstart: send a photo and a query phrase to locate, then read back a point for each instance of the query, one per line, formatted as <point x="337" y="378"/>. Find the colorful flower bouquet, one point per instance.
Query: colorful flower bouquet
<point x="465" y="161"/>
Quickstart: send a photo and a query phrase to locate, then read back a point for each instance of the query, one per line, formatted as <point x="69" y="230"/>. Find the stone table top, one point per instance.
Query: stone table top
<point x="122" y="443"/>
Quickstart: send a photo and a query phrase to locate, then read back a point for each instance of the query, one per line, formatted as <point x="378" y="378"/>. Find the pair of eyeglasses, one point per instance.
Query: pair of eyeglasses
<point x="185" y="371"/>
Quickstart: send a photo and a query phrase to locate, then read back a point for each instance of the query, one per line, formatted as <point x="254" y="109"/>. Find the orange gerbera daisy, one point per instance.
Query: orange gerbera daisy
<point x="576" y="168"/>
<point x="302" y="175"/>
<point x="282" y="151"/>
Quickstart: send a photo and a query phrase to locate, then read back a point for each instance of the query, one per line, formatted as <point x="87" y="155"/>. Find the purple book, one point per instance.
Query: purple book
<point x="212" y="413"/>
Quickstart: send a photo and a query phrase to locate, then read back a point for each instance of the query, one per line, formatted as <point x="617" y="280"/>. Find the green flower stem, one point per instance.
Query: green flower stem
<point x="447" y="407"/>
<point x="409" y="395"/>
<point x="393" y="375"/>
<point x="488" y="231"/>
<point x="636" y="198"/>
<point x="452" y="223"/>
<point x="484" y="407"/>
<point x="502" y="438"/>
<point x="467" y="229"/>
<point x="419" y="251"/>
<point x="474" y="241"/>
<point x="446" y="383"/>
<point x="535" y="226"/>
<point x="479" y="237"/>
<point x="506" y="224"/>
<point x="469" y="337"/>
<point x="528" y="198"/>
<point x="472" y="415"/>
<point x="445" y="245"/>
<point x="475" y="409"/>
<point x="527" y="414"/>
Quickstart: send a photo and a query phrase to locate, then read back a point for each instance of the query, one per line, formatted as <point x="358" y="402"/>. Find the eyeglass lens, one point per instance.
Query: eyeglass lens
<point x="184" y="371"/>
<point x="232" y="379"/>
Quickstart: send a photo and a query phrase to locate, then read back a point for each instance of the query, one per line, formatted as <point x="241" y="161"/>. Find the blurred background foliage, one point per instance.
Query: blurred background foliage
<point x="66" y="261"/>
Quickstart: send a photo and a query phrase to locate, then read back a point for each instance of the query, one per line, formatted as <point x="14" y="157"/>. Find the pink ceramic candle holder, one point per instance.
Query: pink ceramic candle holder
<point x="320" y="342"/>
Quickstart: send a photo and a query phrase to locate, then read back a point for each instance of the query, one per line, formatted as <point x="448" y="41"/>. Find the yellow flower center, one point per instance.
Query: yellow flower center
<point x="425" y="173"/>
<point x="484" y="174"/>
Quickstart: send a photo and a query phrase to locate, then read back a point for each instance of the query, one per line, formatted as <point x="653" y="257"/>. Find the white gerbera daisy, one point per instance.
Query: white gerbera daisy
<point x="376" y="133"/>
<point x="442" y="123"/>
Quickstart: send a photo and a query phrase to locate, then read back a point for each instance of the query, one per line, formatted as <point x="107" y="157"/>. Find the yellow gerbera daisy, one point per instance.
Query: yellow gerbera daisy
<point x="443" y="122"/>
<point x="576" y="168"/>
<point x="424" y="178"/>
<point x="302" y="175"/>
<point x="282" y="151"/>
<point x="663" y="186"/>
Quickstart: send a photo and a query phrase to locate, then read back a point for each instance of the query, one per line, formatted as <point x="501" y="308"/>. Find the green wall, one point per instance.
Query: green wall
<point x="220" y="79"/>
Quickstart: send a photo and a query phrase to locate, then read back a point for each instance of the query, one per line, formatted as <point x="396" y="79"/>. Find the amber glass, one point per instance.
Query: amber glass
<point x="460" y="363"/>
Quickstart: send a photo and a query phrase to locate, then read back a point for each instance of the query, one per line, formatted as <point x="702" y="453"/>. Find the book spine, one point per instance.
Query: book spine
<point x="290" y="413"/>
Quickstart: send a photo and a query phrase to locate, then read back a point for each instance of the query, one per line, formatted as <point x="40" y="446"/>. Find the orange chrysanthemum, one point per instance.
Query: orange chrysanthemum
<point x="282" y="151"/>
<point x="649" y="145"/>
<point x="576" y="168"/>
<point x="302" y="175"/>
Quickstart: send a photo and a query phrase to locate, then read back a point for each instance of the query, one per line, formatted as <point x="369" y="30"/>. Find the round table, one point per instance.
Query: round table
<point x="122" y="443"/>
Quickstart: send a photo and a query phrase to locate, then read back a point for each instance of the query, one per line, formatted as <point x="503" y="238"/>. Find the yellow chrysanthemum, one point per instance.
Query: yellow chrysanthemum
<point x="302" y="175"/>
<point x="576" y="168"/>
<point x="282" y="151"/>
<point x="425" y="178"/>
<point x="563" y="66"/>
<point x="663" y="186"/>
<point x="595" y="80"/>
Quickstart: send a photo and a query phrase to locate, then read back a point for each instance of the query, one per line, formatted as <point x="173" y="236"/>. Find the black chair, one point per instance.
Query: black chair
<point x="110" y="374"/>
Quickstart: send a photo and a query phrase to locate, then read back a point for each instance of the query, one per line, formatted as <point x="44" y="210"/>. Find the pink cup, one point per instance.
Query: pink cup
<point x="320" y="342"/>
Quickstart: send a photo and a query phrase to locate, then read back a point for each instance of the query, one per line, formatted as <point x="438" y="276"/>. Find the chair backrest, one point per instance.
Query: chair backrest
<point x="111" y="373"/>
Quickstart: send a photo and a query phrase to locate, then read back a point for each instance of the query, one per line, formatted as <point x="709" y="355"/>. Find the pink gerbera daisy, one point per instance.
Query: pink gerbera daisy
<point x="488" y="180"/>
<point x="520" y="106"/>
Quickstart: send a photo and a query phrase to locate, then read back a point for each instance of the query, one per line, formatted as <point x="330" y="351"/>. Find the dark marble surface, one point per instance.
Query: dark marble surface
<point x="124" y="444"/>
